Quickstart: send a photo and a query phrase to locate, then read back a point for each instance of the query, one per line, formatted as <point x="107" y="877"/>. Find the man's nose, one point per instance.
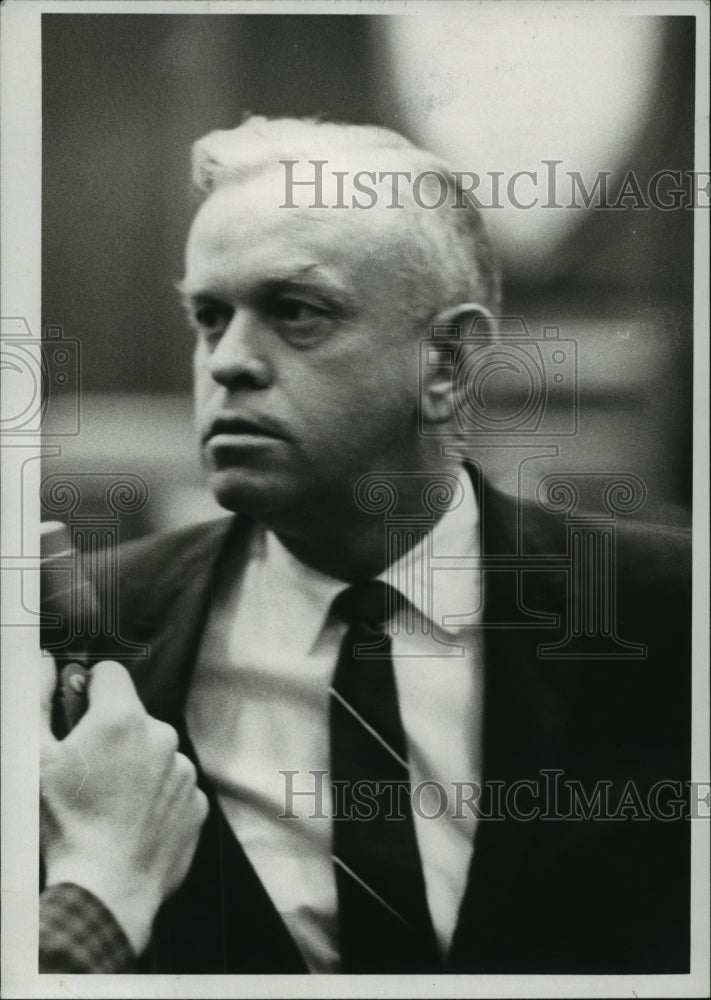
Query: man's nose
<point x="240" y="354"/>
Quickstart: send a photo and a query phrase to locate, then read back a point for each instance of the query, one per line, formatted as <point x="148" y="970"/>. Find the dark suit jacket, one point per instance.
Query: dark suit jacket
<point x="544" y="895"/>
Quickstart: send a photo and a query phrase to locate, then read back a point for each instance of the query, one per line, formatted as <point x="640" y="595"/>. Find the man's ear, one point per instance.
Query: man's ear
<point x="439" y="361"/>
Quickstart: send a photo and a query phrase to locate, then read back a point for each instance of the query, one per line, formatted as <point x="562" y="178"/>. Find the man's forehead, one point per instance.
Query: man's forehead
<point x="251" y="216"/>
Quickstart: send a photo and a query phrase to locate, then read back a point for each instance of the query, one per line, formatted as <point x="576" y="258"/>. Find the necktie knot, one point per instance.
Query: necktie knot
<point x="373" y="603"/>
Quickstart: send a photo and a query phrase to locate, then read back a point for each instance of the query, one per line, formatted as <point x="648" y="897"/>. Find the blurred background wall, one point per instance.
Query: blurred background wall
<point x="124" y="97"/>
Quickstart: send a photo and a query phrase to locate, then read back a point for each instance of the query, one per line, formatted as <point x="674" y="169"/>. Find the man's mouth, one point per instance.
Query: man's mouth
<point x="229" y="429"/>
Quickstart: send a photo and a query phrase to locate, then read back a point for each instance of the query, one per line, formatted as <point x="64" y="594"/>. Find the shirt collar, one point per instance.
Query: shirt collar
<point x="306" y="595"/>
<point x="441" y="593"/>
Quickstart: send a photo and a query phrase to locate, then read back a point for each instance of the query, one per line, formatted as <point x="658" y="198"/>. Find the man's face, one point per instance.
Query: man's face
<point x="306" y="363"/>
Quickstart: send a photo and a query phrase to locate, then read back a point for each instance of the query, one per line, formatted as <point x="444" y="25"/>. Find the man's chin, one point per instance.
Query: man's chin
<point x="249" y="492"/>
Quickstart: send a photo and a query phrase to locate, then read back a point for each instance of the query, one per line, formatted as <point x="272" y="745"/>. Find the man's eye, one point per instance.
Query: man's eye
<point x="211" y="317"/>
<point x="300" y="321"/>
<point x="295" y="311"/>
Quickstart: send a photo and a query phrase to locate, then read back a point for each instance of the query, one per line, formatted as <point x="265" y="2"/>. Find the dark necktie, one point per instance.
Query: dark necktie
<point x="383" y="918"/>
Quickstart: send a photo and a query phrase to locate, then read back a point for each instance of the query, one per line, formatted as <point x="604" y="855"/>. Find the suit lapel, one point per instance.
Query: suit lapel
<point x="525" y="722"/>
<point x="172" y="624"/>
<point x="527" y="700"/>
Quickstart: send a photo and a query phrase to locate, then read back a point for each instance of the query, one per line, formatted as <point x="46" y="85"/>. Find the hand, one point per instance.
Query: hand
<point x="120" y="812"/>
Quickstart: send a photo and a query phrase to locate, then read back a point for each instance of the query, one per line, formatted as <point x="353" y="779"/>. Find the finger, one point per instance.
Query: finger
<point x="166" y="735"/>
<point x="111" y="689"/>
<point x="186" y="768"/>
<point x="201" y="804"/>
<point x="48" y="683"/>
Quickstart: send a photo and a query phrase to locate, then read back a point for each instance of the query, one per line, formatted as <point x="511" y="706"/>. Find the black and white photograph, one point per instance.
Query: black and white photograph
<point x="355" y="499"/>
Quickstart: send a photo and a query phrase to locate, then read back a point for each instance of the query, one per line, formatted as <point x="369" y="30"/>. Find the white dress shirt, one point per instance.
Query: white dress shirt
<point x="258" y="707"/>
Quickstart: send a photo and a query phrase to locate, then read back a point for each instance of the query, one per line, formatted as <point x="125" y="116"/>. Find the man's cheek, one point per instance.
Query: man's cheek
<point x="205" y="391"/>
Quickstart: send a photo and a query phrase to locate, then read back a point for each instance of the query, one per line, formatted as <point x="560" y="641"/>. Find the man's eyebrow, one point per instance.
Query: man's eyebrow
<point x="312" y="276"/>
<point x="317" y="278"/>
<point x="187" y="296"/>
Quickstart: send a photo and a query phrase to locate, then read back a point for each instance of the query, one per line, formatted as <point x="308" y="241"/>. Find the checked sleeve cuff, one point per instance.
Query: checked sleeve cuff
<point x="79" y="934"/>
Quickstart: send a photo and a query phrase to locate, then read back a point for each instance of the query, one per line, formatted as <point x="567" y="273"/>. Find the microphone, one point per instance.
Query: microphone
<point x="64" y="589"/>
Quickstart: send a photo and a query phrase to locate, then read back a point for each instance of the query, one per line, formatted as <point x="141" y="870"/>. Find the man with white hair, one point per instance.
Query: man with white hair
<point x="323" y="677"/>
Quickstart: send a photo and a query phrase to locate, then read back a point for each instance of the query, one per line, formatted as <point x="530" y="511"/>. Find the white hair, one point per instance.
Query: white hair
<point x="456" y="260"/>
